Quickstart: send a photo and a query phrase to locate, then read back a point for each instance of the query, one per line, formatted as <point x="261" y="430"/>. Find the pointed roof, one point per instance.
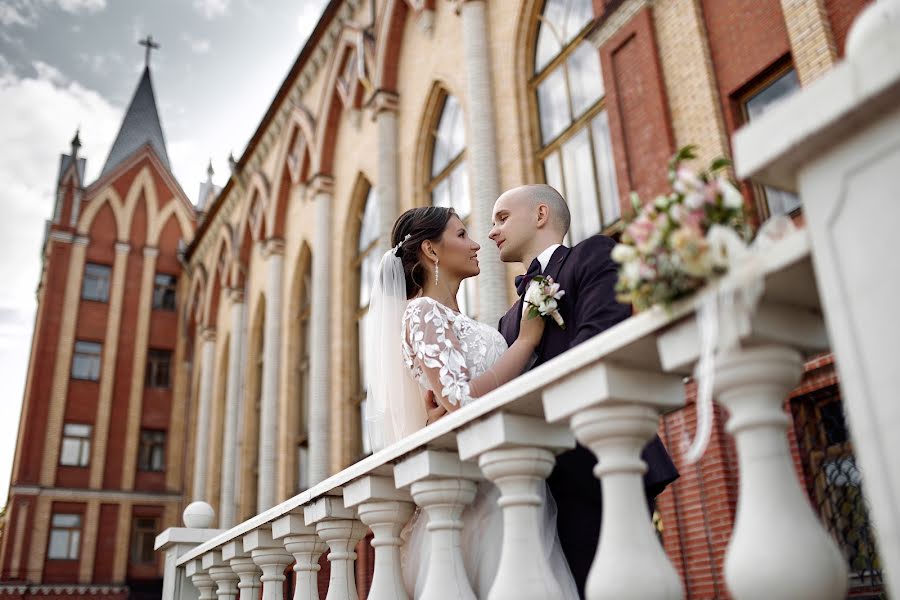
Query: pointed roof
<point x="140" y="126"/>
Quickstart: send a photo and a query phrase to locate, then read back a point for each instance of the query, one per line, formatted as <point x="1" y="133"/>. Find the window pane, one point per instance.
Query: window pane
<point x="765" y="99"/>
<point x="459" y="190"/>
<point x="781" y="202"/>
<point x="164" y="291"/>
<point x="86" y="361"/>
<point x="553" y="173"/>
<point x="581" y="12"/>
<point x="450" y="138"/>
<point x="585" y="78"/>
<point x="77" y="430"/>
<point x="64" y="520"/>
<point x="606" y="169"/>
<point x="441" y="194"/>
<point x="368" y="270"/>
<point x="96" y="283"/>
<point x="550" y="36"/>
<point x="368" y="228"/>
<point x="581" y="193"/>
<point x="59" y="545"/>
<point x="553" y="106"/>
<point x="74" y="542"/>
<point x="70" y="453"/>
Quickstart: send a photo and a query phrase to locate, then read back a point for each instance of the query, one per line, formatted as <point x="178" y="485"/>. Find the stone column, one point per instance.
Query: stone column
<point x="221" y="573"/>
<point x="385" y="509"/>
<point x="442" y="486"/>
<point x="227" y="504"/>
<point x="481" y="159"/>
<point x="243" y="566"/>
<point x="387" y="190"/>
<point x="320" y="333"/>
<point x="614" y="411"/>
<point x="341" y="530"/>
<point x="270" y="556"/>
<point x="201" y="580"/>
<point x="204" y="407"/>
<point x="268" y="413"/>
<point x="517" y="453"/>
<point x="302" y="541"/>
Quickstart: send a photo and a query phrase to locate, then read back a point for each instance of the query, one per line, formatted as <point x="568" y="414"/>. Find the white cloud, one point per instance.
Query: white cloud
<point x="77" y="6"/>
<point x="27" y="12"/>
<point x="197" y="45"/>
<point x="47" y="108"/>
<point x="210" y="9"/>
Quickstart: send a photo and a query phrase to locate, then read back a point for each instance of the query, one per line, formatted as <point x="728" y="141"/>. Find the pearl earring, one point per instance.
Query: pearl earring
<point x="436" y="270"/>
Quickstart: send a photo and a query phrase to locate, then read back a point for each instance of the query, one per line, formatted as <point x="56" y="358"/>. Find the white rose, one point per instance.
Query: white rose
<point x="533" y="293"/>
<point x="731" y="197"/>
<point x="622" y="253"/>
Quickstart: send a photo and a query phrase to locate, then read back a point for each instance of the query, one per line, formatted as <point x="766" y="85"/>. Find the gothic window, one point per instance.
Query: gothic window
<point x="86" y="361"/>
<point x="65" y="537"/>
<point x="448" y="183"/>
<point x="75" y="450"/>
<point x="95" y="285"/>
<point x="574" y="144"/>
<point x="758" y="101"/>
<point x="152" y="451"/>
<point x="164" y="291"/>
<point x="366" y="264"/>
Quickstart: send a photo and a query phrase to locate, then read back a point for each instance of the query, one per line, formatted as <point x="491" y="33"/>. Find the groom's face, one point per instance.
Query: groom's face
<point x="515" y="224"/>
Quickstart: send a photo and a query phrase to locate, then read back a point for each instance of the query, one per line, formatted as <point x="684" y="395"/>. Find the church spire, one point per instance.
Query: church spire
<point x="141" y="124"/>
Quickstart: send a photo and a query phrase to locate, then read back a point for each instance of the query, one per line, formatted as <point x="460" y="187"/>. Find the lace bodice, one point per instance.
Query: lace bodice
<point x="446" y="349"/>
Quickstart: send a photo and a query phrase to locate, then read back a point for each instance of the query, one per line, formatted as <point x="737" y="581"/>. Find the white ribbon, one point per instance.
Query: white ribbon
<point x="725" y="309"/>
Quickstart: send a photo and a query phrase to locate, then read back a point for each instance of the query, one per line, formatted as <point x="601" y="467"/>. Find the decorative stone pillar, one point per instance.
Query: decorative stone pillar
<point x="442" y="486"/>
<point x="517" y="453"/>
<point x="302" y="541"/>
<point x="385" y="509"/>
<point x="221" y="573"/>
<point x="384" y="104"/>
<point x="341" y="530"/>
<point x="204" y="408"/>
<point x="320" y="334"/>
<point x="778" y="548"/>
<point x="201" y="580"/>
<point x="227" y="504"/>
<point x="268" y="413"/>
<point x="243" y="566"/>
<point x="270" y="556"/>
<point x="615" y="411"/>
<point x="481" y="159"/>
<point x="813" y="49"/>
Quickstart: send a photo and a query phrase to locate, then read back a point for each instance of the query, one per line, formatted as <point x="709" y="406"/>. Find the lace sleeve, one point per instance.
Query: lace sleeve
<point x="433" y="352"/>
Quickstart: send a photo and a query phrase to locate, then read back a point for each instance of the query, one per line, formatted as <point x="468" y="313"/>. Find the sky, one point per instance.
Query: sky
<point x="74" y="64"/>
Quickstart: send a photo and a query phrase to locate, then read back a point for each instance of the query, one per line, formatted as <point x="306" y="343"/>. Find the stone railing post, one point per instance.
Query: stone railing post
<point x="615" y="411"/>
<point x="201" y="580"/>
<point x="243" y="566"/>
<point x="175" y="542"/>
<point x="385" y="509"/>
<point x="302" y="541"/>
<point x="221" y="573"/>
<point x="341" y="530"/>
<point x="442" y="485"/>
<point x="271" y="557"/>
<point x="517" y="453"/>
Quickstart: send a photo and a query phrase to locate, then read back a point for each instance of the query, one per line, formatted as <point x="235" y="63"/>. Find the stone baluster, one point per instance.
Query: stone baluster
<point x="201" y="580"/>
<point x="385" y="509"/>
<point x="614" y="411"/>
<point x="517" y="453"/>
<point x="778" y="548"/>
<point x="243" y="566"/>
<point x="271" y="557"/>
<point x="341" y="530"/>
<point x="442" y="485"/>
<point x="302" y="541"/>
<point x="221" y="573"/>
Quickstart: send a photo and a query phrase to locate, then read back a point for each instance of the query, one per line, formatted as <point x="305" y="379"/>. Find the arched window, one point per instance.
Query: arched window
<point x="574" y="146"/>
<point x="304" y="353"/>
<point x="448" y="183"/>
<point x="366" y="263"/>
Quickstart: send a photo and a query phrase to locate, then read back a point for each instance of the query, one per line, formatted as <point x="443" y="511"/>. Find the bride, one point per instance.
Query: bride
<point x="417" y="341"/>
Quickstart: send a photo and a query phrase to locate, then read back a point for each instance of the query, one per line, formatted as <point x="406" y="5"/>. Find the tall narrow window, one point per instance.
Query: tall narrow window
<point x="366" y="263"/>
<point x="143" y="536"/>
<point x="95" y="285"/>
<point x="164" y="291"/>
<point x="756" y="103"/>
<point x="449" y="180"/>
<point x="305" y="351"/>
<point x="75" y="450"/>
<point x="152" y="450"/>
<point x="574" y="147"/>
<point x="86" y="361"/>
<point x="158" y="368"/>
<point x="65" y="537"/>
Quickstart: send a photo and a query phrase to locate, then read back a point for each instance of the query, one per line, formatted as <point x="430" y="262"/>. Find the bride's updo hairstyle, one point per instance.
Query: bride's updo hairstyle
<point x="420" y="224"/>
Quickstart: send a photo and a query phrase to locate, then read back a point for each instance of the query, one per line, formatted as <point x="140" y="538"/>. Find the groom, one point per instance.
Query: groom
<point x="530" y="223"/>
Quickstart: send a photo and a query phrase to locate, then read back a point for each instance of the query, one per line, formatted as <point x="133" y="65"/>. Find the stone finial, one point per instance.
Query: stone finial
<point x="199" y="515"/>
<point x="881" y="18"/>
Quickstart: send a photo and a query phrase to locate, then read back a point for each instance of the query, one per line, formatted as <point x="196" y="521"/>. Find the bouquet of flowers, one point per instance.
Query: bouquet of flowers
<point x="676" y="243"/>
<point x="541" y="299"/>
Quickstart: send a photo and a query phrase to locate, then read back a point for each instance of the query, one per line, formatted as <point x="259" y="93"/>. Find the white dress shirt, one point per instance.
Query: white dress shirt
<point x="544" y="257"/>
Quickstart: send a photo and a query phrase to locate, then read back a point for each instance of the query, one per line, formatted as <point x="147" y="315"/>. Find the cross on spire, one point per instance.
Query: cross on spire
<point x="150" y="45"/>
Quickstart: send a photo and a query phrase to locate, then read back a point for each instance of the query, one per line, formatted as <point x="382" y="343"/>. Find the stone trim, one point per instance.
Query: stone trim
<point x="83" y="495"/>
<point x="610" y="24"/>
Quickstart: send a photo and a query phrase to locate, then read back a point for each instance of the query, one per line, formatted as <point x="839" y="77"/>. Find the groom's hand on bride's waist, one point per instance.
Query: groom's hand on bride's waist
<point x="433" y="410"/>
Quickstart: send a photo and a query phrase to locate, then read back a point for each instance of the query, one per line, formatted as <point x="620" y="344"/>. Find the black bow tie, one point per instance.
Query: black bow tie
<point x="522" y="280"/>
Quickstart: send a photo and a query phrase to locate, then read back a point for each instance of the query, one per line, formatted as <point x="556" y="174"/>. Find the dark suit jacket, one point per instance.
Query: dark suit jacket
<point x="588" y="275"/>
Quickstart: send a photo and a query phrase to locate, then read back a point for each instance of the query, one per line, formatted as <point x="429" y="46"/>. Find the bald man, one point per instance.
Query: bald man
<point x="529" y="225"/>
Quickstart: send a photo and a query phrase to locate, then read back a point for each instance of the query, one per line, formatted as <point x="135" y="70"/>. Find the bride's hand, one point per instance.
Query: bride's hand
<point x="531" y="330"/>
<point x="433" y="410"/>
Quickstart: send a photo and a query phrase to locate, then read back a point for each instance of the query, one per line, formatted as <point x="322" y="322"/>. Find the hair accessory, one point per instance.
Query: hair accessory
<point x="396" y="248"/>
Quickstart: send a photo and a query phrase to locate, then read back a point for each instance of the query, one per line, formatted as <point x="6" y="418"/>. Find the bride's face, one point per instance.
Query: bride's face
<point x="458" y="253"/>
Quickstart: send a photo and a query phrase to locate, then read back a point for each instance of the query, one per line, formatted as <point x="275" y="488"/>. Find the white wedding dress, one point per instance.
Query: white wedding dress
<point x="445" y="350"/>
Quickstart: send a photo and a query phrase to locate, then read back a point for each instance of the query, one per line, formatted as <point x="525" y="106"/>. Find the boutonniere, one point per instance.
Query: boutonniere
<point x="542" y="296"/>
